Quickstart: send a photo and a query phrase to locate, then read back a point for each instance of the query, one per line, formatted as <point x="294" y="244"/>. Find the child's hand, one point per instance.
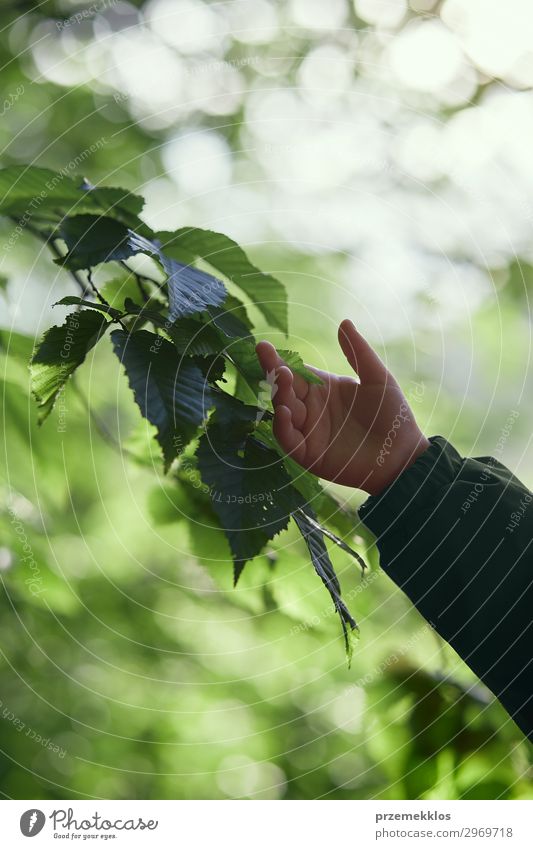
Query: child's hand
<point x="360" y="434"/>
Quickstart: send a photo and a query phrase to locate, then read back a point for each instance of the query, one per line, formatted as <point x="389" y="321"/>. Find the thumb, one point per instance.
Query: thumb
<point x="361" y="356"/>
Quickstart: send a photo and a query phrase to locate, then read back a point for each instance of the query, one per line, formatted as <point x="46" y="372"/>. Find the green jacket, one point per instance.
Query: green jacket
<point x="456" y="535"/>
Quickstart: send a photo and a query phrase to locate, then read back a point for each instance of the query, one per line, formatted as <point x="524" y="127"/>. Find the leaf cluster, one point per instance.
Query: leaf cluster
<point x="187" y="347"/>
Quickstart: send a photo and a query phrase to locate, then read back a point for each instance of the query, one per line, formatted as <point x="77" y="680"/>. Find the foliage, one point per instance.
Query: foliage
<point x="175" y="345"/>
<point x="136" y="657"/>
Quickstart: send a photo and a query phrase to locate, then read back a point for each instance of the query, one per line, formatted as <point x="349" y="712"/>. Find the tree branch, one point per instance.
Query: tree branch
<point x="50" y="242"/>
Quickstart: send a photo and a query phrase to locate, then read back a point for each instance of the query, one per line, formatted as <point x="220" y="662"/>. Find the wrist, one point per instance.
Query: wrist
<point x="397" y="462"/>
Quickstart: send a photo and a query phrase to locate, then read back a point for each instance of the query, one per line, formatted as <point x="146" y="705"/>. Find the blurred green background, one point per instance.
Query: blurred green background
<point x="375" y="156"/>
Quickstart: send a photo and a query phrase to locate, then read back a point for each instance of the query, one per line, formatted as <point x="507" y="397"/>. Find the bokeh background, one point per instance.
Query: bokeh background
<point x="377" y="157"/>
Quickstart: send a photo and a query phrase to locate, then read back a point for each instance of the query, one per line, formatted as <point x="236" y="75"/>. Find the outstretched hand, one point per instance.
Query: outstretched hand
<point x="356" y="432"/>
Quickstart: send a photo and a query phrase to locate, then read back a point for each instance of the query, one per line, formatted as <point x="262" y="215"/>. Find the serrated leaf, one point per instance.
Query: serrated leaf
<point x="170" y="391"/>
<point x="226" y="256"/>
<point x="74" y="300"/>
<point x="212" y="367"/>
<point x="314" y="539"/>
<point x="234" y="307"/>
<point x="305" y="482"/>
<point x="297" y="365"/>
<point x="250" y="491"/>
<point x="345" y="520"/>
<point x="242" y="353"/>
<point x="191" y="336"/>
<point x="231" y="411"/>
<point x="228" y="323"/>
<point x="39" y="192"/>
<point x="111" y="197"/>
<point x="60" y="352"/>
<point x="189" y="289"/>
<point x="93" y="239"/>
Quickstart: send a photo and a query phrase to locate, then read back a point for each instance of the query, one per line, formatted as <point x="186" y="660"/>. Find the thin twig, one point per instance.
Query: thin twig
<point x="146" y="277"/>
<point x="138" y="278"/>
<point x="85" y="290"/>
<point x="102" y="299"/>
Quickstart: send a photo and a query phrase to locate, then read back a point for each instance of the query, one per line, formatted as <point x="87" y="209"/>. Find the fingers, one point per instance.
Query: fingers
<point x="361" y="356"/>
<point x="268" y="356"/>
<point x="290" y="438"/>
<point x="289" y="410"/>
<point x="285" y="396"/>
<point x="271" y="361"/>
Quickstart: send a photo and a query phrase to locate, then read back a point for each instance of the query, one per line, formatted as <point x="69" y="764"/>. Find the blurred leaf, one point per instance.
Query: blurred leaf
<point x="168" y="504"/>
<point x="519" y="281"/>
<point x="116" y="291"/>
<point x="16" y="345"/>
<point x="29" y="191"/>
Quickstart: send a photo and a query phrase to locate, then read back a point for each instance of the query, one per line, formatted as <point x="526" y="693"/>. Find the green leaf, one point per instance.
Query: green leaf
<point x="296" y="364"/>
<point x="111" y="197"/>
<point x="15" y="353"/>
<point x="72" y="300"/>
<point x="226" y="256"/>
<point x="168" y="504"/>
<point x="212" y="367"/>
<point x="60" y="352"/>
<point x="116" y="290"/>
<point x="189" y="289"/>
<point x="3" y="282"/>
<point x="305" y="482"/>
<point x="228" y="323"/>
<point x="16" y="344"/>
<point x="234" y="307"/>
<point x="170" y="391"/>
<point x="242" y="353"/>
<point x="92" y="239"/>
<point x="334" y="538"/>
<point x="28" y="192"/>
<point x="230" y="411"/>
<point x="345" y="520"/>
<point x="191" y="336"/>
<point x="314" y="539"/>
<point x="250" y="491"/>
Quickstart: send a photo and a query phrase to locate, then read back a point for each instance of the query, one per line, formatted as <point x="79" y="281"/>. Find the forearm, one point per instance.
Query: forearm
<point x="456" y="535"/>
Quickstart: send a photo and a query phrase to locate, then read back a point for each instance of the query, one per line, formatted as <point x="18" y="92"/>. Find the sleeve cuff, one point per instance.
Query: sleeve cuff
<point x="413" y="490"/>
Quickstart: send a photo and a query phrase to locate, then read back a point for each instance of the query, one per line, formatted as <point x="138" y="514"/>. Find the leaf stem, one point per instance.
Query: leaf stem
<point x="139" y="278"/>
<point x="50" y="242"/>
<point x="102" y="299"/>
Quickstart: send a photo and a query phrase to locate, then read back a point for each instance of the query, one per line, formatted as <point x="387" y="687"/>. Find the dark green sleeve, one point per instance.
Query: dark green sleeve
<point x="456" y="535"/>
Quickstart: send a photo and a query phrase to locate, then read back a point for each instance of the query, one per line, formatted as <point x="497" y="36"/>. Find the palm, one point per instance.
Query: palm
<point x="338" y="429"/>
